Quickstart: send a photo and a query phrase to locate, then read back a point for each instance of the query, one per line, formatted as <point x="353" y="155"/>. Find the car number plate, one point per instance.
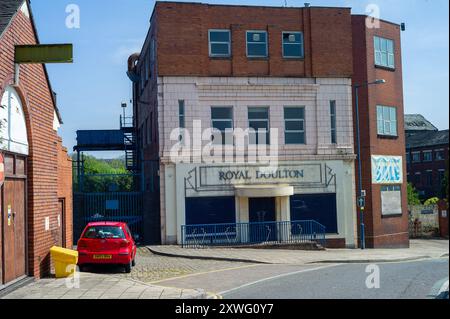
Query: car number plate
<point x="102" y="256"/>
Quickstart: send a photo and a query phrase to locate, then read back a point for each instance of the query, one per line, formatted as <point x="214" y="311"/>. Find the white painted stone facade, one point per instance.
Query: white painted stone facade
<point x="202" y="93"/>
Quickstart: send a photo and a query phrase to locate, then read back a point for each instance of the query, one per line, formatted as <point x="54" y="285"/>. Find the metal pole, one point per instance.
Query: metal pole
<point x="358" y="138"/>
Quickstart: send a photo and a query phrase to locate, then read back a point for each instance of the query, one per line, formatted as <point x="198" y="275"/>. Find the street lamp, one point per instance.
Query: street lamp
<point x="361" y="198"/>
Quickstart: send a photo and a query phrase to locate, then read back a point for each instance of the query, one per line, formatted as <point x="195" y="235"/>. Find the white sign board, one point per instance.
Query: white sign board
<point x="387" y="169"/>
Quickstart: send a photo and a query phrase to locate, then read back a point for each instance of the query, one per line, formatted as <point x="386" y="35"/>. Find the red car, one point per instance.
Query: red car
<point x="107" y="243"/>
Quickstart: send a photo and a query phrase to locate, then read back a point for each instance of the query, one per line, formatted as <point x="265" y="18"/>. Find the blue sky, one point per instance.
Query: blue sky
<point x="91" y="89"/>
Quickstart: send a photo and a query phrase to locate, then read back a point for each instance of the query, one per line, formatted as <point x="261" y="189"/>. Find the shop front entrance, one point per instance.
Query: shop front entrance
<point x="261" y="212"/>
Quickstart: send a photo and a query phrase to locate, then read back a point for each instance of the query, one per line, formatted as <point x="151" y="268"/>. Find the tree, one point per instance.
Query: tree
<point x="431" y="201"/>
<point x="104" y="176"/>
<point x="413" y="196"/>
<point x="444" y="186"/>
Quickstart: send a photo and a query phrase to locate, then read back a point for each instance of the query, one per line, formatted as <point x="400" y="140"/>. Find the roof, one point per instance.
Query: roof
<point x="417" y="122"/>
<point x="8" y="9"/>
<point x="427" y="138"/>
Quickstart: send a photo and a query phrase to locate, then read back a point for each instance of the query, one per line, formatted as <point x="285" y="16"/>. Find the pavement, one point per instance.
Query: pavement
<point x="100" y="286"/>
<point x="419" y="249"/>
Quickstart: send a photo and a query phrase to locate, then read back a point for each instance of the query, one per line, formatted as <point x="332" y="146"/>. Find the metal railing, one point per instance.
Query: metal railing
<point x="240" y="234"/>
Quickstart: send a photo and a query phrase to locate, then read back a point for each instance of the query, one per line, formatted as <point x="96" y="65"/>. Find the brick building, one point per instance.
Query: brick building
<point x="286" y="72"/>
<point x="426" y="156"/>
<point x="36" y="204"/>
<point x="377" y="55"/>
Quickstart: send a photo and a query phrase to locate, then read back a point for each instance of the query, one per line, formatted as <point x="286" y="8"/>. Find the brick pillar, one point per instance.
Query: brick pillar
<point x="443" y="218"/>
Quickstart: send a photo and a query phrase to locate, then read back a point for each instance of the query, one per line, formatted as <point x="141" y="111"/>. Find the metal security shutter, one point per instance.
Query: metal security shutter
<point x="210" y="210"/>
<point x="318" y="207"/>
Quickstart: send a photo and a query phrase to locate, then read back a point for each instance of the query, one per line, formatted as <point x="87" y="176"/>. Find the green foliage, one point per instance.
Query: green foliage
<point x="431" y="201"/>
<point x="413" y="196"/>
<point x="104" y="176"/>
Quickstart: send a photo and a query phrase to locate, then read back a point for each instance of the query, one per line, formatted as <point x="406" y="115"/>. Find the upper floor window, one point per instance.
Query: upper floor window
<point x="294" y="122"/>
<point x="384" y="52"/>
<point x="440" y="155"/>
<point x="427" y="156"/>
<point x="257" y="44"/>
<point x="292" y="45"/>
<point x="258" y="123"/>
<point x="387" y="120"/>
<point x="408" y="159"/>
<point x="333" y="122"/>
<point x="222" y="120"/>
<point x="416" y="157"/>
<point x="181" y="119"/>
<point x="219" y="43"/>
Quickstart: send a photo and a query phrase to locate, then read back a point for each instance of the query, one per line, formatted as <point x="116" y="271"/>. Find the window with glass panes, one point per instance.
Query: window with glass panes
<point x="219" y="43"/>
<point x="427" y="156"/>
<point x="387" y="120"/>
<point x="384" y="52"/>
<point x="258" y="123"/>
<point x="181" y="117"/>
<point x="416" y="157"/>
<point x="292" y="45"/>
<point x="257" y="44"/>
<point x="222" y="120"/>
<point x="294" y="125"/>
<point x="333" y="122"/>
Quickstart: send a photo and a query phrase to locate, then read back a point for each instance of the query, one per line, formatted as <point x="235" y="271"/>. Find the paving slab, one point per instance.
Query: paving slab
<point x="100" y="286"/>
<point x="419" y="249"/>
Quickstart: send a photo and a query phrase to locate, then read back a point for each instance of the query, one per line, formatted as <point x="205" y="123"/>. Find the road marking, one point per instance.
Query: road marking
<point x="204" y="273"/>
<point x="275" y="277"/>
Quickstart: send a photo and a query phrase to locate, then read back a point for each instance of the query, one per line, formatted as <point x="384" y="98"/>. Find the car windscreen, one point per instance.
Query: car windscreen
<point x="104" y="232"/>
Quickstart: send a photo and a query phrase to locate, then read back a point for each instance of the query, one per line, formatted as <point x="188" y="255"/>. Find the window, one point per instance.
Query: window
<point x="427" y="156"/>
<point x="258" y="123"/>
<point x="222" y="120"/>
<point x="333" y="122"/>
<point x="294" y="125"/>
<point x="257" y="44"/>
<point x="416" y="157"/>
<point x="384" y="52"/>
<point x="441" y="176"/>
<point x="387" y="120"/>
<point x="219" y="43"/>
<point x="408" y="159"/>
<point x="292" y="45"/>
<point x="391" y="200"/>
<point x="440" y="155"/>
<point x="181" y="117"/>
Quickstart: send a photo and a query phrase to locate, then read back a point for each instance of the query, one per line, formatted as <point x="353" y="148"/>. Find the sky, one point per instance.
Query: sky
<point x="90" y="91"/>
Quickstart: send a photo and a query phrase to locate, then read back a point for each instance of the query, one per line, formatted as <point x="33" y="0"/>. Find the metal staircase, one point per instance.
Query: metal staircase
<point x="130" y="143"/>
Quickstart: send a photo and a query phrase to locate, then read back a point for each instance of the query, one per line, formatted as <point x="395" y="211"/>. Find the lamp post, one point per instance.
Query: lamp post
<point x="361" y="198"/>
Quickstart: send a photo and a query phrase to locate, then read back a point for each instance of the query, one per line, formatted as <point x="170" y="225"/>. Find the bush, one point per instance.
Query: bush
<point x="431" y="201"/>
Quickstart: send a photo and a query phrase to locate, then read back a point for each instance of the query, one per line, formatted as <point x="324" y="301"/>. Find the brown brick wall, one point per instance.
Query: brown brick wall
<point x="182" y="31"/>
<point x="65" y="191"/>
<point x="380" y="231"/>
<point x="43" y="140"/>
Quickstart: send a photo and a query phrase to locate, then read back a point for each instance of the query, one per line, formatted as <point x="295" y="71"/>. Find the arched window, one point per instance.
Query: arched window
<point x="13" y="129"/>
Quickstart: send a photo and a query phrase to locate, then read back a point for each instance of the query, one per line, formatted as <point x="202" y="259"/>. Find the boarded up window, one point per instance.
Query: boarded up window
<point x="391" y="200"/>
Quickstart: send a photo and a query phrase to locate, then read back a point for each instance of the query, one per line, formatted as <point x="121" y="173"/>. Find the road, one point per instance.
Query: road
<point x="406" y="280"/>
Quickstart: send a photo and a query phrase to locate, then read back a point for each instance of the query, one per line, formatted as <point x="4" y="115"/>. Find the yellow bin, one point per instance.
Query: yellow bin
<point x="63" y="258"/>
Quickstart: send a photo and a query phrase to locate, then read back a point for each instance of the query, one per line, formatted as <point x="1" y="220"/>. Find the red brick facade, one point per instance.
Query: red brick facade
<point x="49" y="168"/>
<point x="381" y="231"/>
<point x="182" y="32"/>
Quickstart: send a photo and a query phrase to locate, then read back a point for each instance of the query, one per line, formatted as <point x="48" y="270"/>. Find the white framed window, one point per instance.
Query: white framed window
<point x="384" y="52"/>
<point x="222" y="120"/>
<point x="391" y="200"/>
<point x="439" y="156"/>
<point x="294" y="125"/>
<point x="387" y="120"/>
<point x="427" y="156"/>
<point x="293" y="44"/>
<point x="259" y="125"/>
<point x="416" y="157"/>
<point x="257" y="44"/>
<point x="333" y="122"/>
<point x="219" y="43"/>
